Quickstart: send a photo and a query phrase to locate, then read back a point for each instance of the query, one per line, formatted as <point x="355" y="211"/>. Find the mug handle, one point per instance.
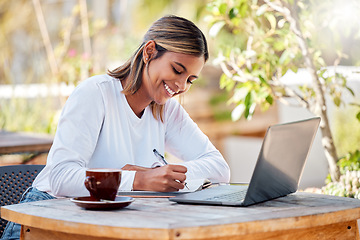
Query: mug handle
<point x="90" y="184"/>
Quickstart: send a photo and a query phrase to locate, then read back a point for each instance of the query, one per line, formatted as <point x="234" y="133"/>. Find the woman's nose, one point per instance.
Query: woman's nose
<point x="181" y="84"/>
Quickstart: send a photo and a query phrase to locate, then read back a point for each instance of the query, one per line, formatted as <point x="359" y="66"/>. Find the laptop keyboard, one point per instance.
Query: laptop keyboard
<point x="230" y="197"/>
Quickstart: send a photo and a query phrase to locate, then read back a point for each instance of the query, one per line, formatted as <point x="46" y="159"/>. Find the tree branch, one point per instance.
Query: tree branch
<point x="85" y="27"/>
<point x="319" y="108"/>
<point x="67" y="35"/>
<point x="45" y="37"/>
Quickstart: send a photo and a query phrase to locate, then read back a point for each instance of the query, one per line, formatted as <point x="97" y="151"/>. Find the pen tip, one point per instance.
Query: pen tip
<point x="154" y="150"/>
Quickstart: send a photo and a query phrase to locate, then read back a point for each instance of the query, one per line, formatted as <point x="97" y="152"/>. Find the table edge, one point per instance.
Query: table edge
<point x="210" y="231"/>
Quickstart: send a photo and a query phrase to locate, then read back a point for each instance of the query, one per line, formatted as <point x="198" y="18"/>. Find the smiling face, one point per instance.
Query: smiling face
<point x="170" y="75"/>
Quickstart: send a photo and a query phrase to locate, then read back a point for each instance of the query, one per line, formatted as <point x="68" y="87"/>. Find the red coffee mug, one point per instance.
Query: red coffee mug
<point x="103" y="183"/>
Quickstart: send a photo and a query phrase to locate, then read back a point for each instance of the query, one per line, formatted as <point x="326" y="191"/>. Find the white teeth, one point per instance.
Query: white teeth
<point x="168" y="89"/>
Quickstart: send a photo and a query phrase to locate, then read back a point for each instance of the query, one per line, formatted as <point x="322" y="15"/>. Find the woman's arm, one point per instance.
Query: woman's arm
<point x="187" y="142"/>
<point x="75" y="140"/>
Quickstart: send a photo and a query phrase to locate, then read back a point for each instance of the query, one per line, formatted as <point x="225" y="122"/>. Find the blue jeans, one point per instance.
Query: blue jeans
<point x="12" y="230"/>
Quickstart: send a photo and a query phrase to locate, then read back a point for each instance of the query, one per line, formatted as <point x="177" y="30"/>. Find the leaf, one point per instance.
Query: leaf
<point x="281" y="23"/>
<point x="243" y="10"/>
<point x="252" y="109"/>
<point x="249" y="111"/>
<point x="262" y="93"/>
<point x="272" y="20"/>
<point x="223" y="8"/>
<point x="237" y="112"/>
<point x="354" y="104"/>
<point x="279" y="45"/>
<point x="226" y="82"/>
<point x="223" y="81"/>
<point x="351" y="91"/>
<point x="239" y="94"/>
<point x="215" y="28"/>
<point x="337" y="101"/>
<point x="248" y="105"/>
<point x="269" y="99"/>
<point x="286" y="57"/>
<point x="248" y="99"/>
<point x="233" y="12"/>
<point x="263" y="81"/>
<point x="262" y="9"/>
<point x="294" y="68"/>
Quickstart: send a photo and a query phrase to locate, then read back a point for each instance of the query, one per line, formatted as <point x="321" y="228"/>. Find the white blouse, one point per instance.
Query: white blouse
<point x="98" y="129"/>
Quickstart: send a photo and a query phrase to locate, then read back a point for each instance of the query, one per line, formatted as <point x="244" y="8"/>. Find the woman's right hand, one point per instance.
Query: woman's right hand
<point x="168" y="178"/>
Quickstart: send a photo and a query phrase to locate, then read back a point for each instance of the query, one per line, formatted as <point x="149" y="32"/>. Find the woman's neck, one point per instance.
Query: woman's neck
<point x="137" y="101"/>
<point x="137" y="104"/>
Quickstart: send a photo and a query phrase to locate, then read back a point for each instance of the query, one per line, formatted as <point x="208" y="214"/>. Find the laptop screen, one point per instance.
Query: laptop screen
<point x="281" y="160"/>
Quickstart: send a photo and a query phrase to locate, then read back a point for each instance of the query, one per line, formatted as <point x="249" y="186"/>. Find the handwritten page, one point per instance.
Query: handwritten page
<point x="193" y="184"/>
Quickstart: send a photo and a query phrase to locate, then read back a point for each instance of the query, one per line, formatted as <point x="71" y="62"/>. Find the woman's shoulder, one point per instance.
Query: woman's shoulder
<point x="174" y="110"/>
<point x="98" y="79"/>
<point x="94" y="83"/>
<point x="172" y="104"/>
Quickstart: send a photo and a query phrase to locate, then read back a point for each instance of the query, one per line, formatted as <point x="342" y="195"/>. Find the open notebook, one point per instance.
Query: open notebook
<point x="193" y="185"/>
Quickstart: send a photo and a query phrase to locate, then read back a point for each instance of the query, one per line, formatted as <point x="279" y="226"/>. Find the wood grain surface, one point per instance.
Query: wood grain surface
<point x="297" y="216"/>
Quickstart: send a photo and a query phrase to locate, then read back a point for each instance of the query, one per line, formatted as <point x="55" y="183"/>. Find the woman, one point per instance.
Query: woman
<point x="116" y="120"/>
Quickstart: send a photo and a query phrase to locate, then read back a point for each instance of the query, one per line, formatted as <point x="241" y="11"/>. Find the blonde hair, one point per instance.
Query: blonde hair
<point x="170" y="33"/>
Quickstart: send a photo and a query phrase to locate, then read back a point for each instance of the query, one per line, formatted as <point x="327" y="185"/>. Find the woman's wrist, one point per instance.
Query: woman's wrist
<point x="139" y="181"/>
<point x="130" y="167"/>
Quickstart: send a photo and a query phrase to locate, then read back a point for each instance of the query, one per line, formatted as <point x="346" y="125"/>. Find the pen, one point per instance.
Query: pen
<point x="162" y="159"/>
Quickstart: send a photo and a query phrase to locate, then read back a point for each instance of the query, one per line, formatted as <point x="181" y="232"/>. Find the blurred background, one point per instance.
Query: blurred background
<point x="48" y="46"/>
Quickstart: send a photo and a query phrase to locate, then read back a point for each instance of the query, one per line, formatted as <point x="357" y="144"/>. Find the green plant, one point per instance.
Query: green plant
<point x="351" y="162"/>
<point x="349" y="182"/>
<point x="274" y="37"/>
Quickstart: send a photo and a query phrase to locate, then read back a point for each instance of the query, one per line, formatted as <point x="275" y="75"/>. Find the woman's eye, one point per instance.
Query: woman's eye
<point x="176" y="71"/>
<point x="189" y="81"/>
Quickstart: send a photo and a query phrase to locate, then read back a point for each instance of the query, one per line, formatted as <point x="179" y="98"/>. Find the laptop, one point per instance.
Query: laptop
<point x="277" y="172"/>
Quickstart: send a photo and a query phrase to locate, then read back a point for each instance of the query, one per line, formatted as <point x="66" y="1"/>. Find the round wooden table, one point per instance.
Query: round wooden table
<point x="297" y="216"/>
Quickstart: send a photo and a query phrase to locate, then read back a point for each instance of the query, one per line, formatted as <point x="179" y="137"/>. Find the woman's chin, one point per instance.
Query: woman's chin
<point x="161" y="101"/>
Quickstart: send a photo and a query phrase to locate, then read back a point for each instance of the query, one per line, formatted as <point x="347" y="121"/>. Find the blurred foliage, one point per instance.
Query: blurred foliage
<point x="36" y="115"/>
<point x="349" y="183"/>
<point x="351" y="162"/>
<point x="273" y="37"/>
<point x="259" y="47"/>
<point x="221" y="110"/>
<point x="346" y="130"/>
<point x="24" y="61"/>
<point x="114" y="34"/>
<point x="11" y="26"/>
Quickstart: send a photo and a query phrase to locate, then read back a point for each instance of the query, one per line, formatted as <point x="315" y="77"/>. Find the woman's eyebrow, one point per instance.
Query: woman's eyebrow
<point x="181" y="66"/>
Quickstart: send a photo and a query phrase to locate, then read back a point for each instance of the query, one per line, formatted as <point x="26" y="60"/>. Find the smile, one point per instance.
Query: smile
<point x="168" y="89"/>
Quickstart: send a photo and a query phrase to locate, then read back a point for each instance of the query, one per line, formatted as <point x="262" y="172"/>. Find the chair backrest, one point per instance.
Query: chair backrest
<point x="14" y="180"/>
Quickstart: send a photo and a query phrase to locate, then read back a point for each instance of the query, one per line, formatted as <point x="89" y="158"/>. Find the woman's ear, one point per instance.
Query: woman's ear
<point x="149" y="51"/>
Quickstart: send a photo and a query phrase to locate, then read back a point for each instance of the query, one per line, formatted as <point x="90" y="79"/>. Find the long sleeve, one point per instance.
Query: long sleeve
<point x="186" y="141"/>
<point x="76" y="139"/>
